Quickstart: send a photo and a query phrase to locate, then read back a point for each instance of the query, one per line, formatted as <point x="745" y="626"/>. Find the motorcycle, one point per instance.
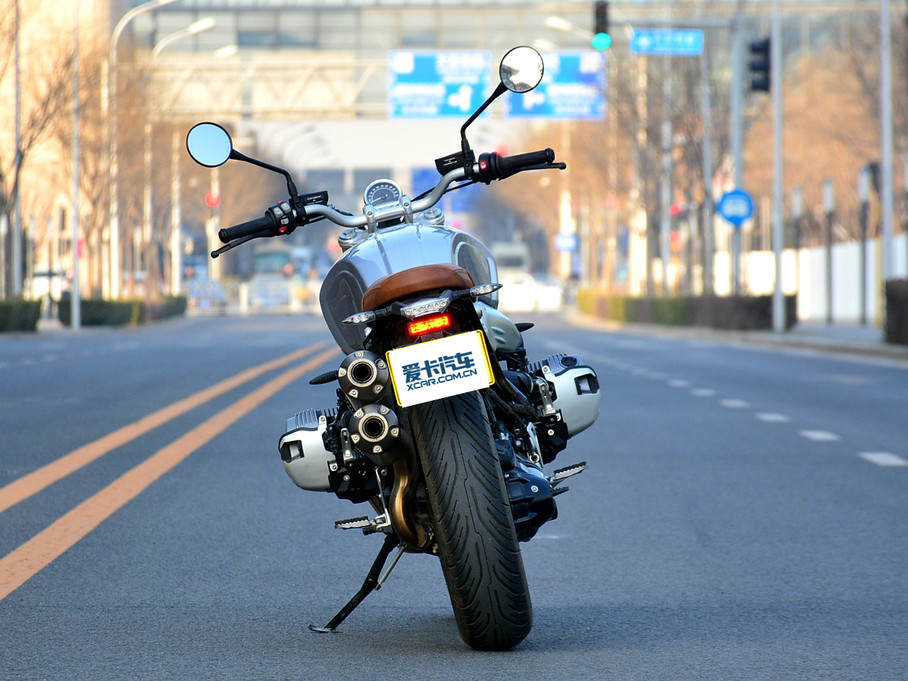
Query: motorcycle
<point x="442" y="423"/>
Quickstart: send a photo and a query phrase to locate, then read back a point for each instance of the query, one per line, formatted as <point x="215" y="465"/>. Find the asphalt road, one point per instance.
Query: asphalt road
<point x="745" y="516"/>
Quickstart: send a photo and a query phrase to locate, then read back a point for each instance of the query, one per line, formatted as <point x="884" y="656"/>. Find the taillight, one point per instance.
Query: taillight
<point x="429" y="324"/>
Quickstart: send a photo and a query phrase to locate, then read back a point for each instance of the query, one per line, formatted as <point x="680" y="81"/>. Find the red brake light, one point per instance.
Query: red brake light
<point x="429" y="324"/>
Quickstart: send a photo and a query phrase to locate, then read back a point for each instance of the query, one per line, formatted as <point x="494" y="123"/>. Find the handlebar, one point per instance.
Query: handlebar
<point x="497" y="167"/>
<point x="278" y="219"/>
<point x="262" y="224"/>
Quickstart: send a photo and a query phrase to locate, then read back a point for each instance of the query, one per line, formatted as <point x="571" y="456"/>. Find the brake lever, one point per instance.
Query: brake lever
<point x="239" y="242"/>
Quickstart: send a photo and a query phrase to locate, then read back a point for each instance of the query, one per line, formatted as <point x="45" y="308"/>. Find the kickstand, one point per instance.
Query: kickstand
<point x="373" y="581"/>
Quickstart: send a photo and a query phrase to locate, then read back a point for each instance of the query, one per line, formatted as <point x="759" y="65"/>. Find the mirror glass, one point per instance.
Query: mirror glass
<point x="209" y="144"/>
<point x="521" y="69"/>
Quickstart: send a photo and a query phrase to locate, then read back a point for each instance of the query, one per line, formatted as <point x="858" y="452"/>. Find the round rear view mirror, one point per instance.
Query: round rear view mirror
<point x="209" y="144"/>
<point x="521" y="69"/>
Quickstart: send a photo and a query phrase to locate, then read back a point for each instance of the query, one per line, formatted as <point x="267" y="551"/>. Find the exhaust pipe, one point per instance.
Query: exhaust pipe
<point x="375" y="431"/>
<point x="364" y="377"/>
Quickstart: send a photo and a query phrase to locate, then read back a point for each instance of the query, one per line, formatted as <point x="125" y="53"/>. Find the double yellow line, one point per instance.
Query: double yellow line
<point x="26" y="561"/>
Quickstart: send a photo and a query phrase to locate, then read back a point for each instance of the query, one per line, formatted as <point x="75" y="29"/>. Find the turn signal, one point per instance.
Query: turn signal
<point x="429" y="324"/>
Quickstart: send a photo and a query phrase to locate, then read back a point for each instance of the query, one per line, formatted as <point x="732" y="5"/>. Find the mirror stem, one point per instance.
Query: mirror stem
<point x="239" y="156"/>
<point x="465" y="146"/>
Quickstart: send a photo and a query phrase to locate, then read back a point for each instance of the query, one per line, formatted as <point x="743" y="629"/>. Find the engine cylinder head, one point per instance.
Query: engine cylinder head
<point x="364" y="377"/>
<point x="302" y="448"/>
<point x="574" y="389"/>
<point x="375" y="431"/>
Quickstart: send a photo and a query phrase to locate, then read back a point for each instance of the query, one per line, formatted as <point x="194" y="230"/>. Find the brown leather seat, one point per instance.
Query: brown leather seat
<point x="416" y="280"/>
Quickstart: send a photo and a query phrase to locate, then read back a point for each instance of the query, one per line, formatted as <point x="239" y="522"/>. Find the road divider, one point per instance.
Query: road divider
<point x="29" y="559"/>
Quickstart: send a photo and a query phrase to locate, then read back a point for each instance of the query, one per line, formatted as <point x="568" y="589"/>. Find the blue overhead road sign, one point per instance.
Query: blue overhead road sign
<point x="686" y="42"/>
<point x="573" y="87"/>
<point x="445" y="83"/>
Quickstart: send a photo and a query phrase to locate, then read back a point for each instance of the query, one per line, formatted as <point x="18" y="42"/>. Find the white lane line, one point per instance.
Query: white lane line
<point x="774" y="418"/>
<point x="883" y="458"/>
<point x="734" y="404"/>
<point x="819" y="435"/>
<point x="679" y="383"/>
<point x="703" y="392"/>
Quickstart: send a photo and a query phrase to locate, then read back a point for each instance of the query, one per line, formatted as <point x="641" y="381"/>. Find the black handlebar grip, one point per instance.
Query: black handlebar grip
<point x="508" y="165"/>
<point x="228" y="234"/>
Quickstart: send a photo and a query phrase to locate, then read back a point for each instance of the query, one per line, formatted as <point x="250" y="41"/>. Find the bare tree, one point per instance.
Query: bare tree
<point x="44" y="87"/>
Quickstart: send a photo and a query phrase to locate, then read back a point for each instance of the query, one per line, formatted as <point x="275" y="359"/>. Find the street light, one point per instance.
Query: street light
<point x="199" y="26"/>
<point x="112" y="138"/>
<point x="194" y="28"/>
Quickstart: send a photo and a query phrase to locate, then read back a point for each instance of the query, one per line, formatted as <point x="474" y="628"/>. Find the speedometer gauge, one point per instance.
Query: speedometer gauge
<point x="381" y="192"/>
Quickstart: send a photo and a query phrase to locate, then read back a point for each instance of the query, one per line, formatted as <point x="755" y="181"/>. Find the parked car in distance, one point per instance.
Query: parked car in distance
<point x="522" y="292"/>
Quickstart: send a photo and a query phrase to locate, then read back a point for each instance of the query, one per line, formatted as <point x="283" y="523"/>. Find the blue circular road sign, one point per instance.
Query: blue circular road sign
<point x="736" y="206"/>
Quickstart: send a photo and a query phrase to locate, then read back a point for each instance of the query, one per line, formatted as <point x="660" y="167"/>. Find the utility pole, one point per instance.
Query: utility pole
<point x="76" y="298"/>
<point x="737" y="140"/>
<point x="888" y="257"/>
<point x="778" y="231"/>
<point x="16" y="235"/>
<point x="707" y="230"/>
<point x="666" y="222"/>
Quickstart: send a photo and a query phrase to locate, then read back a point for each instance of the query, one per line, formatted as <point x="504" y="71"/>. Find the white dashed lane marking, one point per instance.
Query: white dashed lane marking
<point x="774" y="418"/>
<point x="886" y="459"/>
<point x="883" y="458"/>
<point x="734" y="404"/>
<point x="819" y="435"/>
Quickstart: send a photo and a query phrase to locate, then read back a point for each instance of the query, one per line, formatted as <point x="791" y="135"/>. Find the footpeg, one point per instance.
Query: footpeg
<point x="563" y="474"/>
<point x="365" y="523"/>
<point x="353" y="523"/>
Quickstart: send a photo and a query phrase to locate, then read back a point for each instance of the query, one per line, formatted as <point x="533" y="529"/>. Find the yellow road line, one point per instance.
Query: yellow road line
<point x="40" y="551"/>
<point x="29" y="485"/>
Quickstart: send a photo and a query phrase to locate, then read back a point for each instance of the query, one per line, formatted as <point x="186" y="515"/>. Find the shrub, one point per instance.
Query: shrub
<point x="19" y="315"/>
<point x="103" y="312"/>
<point x="897" y="311"/>
<point x="122" y="312"/>
<point x="740" y="313"/>
<point x="168" y="306"/>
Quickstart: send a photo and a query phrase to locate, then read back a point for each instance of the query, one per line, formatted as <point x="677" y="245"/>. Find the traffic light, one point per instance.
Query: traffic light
<point x="601" y="38"/>
<point x="759" y="65"/>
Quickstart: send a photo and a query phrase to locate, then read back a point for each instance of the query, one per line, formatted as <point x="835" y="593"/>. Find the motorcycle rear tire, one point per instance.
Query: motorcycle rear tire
<point x="474" y="528"/>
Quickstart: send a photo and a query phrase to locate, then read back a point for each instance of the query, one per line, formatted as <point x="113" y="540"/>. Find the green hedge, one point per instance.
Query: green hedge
<point x="19" y="315"/>
<point x="897" y="311"/>
<point x="741" y="313"/>
<point x="168" y="306"/>
<point x="122" y="312"/>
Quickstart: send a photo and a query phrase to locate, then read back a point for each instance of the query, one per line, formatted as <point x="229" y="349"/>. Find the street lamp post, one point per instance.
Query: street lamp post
<point x="194" y="28"/>
<point x="115" y="276"/>
<point x="76" y="297"/>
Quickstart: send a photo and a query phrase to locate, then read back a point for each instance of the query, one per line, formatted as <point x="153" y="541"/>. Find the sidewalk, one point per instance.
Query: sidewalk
<point x="843" y="338"/>
<point x="848" y="339"/>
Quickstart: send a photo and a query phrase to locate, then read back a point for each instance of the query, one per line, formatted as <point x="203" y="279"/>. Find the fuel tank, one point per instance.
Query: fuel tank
<point x="390" y="250"/>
